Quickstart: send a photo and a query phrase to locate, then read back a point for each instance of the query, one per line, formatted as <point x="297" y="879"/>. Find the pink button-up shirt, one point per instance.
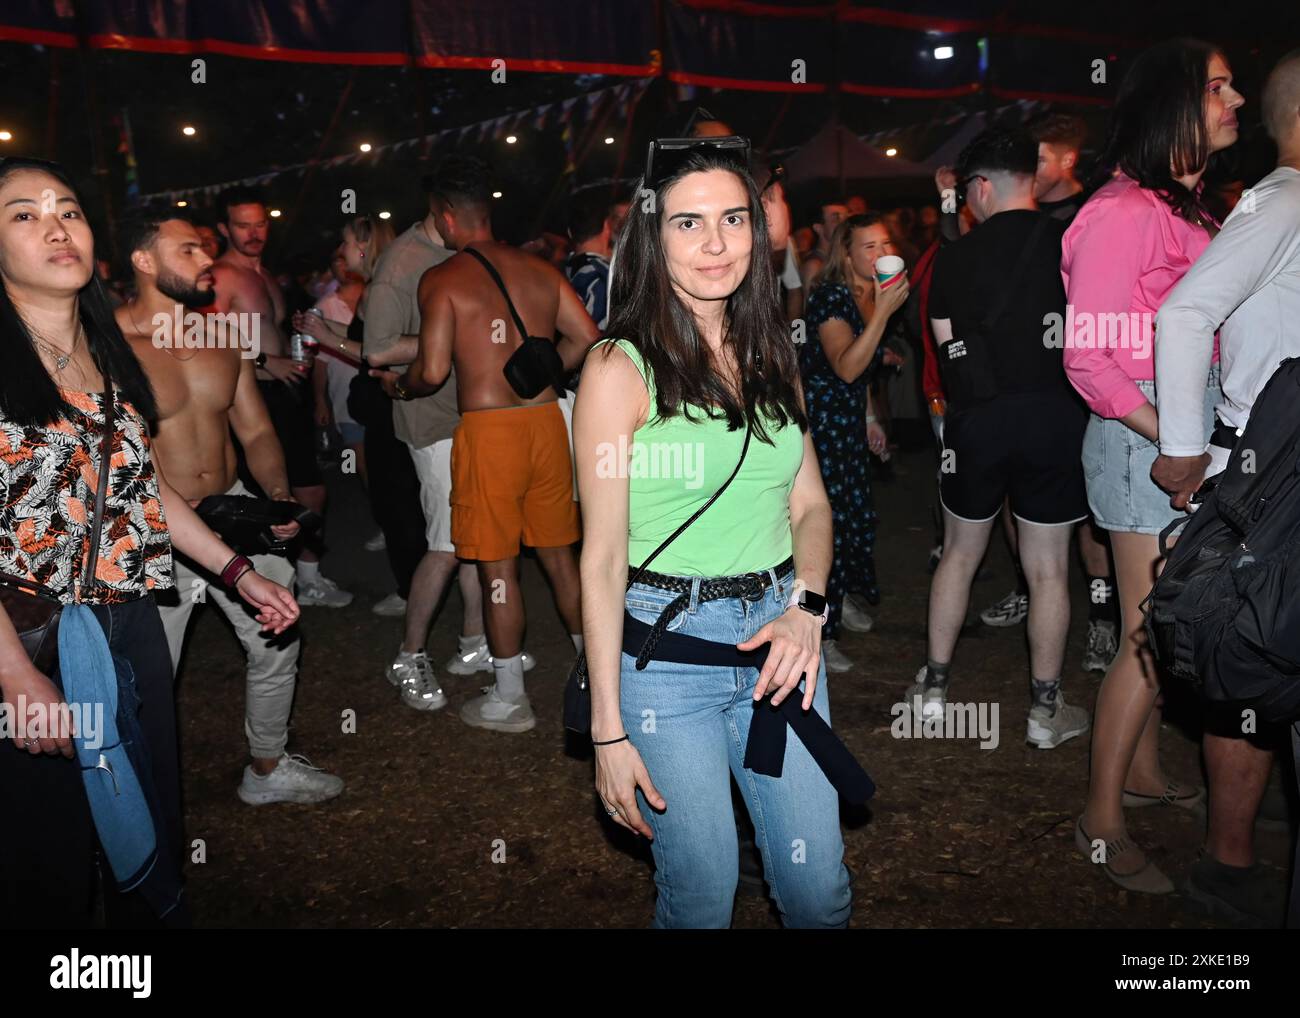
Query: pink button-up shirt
<point x="1121" y="256"/>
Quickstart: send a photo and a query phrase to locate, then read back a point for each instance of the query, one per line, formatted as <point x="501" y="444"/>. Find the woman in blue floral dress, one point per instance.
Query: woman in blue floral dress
<point x="847" y="316"/>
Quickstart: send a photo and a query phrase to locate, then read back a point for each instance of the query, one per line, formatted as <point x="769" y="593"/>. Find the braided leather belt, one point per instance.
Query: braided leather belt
<point x="750" y="586"/>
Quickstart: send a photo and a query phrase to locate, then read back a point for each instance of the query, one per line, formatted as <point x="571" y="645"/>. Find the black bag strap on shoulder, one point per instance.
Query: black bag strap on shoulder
<point x="496" y="278"/>
<point x="579" y="678"/>
<point x="999" y="307"/>
<point x="744" y="449"/>
<point x="101" y="489"/>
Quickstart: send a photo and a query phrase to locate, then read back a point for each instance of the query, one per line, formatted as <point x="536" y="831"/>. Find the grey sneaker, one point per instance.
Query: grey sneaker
<point x="1102" y="646"/>
<point x="393" y="606"/>
<point x="836" y="661"/>
<point x="376" y="543"/>
<point x="492" y="712"/>
<point x="413" y="675"/>
<point x="933" y="699"/>
<point x="293" y="780"/>
<point x="854" y="618"/>
<point x="1047" y="729"/>
<point x="1010" y="611"/>
<point x="323" y="593"/>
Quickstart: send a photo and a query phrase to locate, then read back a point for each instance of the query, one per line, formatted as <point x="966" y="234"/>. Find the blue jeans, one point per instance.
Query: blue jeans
<point x="690" y="724"/>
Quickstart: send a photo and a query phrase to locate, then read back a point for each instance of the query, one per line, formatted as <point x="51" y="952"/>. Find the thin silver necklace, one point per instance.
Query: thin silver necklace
<point x="60" y="359"/>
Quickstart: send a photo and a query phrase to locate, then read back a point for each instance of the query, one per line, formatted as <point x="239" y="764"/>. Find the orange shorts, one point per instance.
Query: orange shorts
<point x="511" y="481"/>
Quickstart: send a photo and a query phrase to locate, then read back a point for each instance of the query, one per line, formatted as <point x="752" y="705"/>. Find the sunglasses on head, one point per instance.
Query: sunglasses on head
<point x="964" y="183"/>
<point x="667" y="155"/>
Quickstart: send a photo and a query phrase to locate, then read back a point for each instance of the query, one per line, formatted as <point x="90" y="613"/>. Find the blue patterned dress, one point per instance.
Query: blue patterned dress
<point x="837" y="413"/>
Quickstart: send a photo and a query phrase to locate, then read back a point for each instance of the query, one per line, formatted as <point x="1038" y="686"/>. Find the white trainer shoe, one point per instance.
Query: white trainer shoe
<point x="323" y="593"/>
<point x="293" y="780"/>
<point x="1047" y="730"/>
<point x="480" y="660"/>
<point x="934" y="699"/>
<point x="413" y="675"/>
<point x="492" y="712"/>
<point x="393" y="606"/>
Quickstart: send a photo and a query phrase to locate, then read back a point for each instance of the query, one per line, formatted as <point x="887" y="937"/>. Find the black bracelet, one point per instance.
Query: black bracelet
<point x="610" y="742"/>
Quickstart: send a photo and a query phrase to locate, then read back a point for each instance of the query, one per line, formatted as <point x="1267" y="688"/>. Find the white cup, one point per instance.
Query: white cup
<point x="887" y="267"/>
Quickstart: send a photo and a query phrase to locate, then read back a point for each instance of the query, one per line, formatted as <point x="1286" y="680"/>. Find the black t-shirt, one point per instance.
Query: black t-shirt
<point x="971" y="274"/>
<point x="1064" y="209"/>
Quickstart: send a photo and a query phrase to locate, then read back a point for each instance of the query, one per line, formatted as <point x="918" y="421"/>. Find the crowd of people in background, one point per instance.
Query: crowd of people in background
<point x="1066" y="444"/>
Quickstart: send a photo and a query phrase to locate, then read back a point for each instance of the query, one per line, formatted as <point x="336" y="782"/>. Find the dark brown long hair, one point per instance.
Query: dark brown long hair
<point x="1159" y="119"/>
<point x="648" y="311"/>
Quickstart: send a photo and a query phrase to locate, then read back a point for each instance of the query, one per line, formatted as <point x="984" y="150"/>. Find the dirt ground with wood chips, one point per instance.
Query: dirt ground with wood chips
<point x="956" y="836"/>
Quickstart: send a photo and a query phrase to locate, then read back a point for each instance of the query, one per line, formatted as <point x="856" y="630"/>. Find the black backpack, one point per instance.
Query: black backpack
<point x="1225" y="612"/>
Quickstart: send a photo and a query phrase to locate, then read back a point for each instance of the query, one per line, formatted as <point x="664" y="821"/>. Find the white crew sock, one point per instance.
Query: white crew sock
<point x="308" y="572"/>
<point x="509" y="673"/>
<point x="469" y="644"/>
<point x="578" y="644"/>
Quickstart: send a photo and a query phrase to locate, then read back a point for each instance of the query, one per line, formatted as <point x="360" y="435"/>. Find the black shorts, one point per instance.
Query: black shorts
<point x="293" y="426"/>
<point x="1027" y="446"/>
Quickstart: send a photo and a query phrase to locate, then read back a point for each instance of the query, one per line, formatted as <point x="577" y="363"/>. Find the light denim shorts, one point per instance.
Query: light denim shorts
<point x="1117" y="469"/>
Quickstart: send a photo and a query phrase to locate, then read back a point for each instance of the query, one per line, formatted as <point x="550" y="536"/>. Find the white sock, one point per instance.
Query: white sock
<point x="469" y="644"/>
<point x="308" y="572"/>
<point x="578" y="644"/>
<point x="510" y="678"/>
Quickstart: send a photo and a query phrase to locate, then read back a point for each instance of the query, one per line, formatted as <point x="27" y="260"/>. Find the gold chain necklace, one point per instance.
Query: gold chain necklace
<point x="130" y="310"/>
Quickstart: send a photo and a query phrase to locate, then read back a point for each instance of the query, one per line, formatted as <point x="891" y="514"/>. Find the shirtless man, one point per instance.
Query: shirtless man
<point x="202" y="393"/>
<point x="243" y="285"/>
<point x="512" y="474"/>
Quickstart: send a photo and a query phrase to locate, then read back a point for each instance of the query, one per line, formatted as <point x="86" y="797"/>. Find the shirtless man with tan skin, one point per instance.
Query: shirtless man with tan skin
<point x="202" y="393"/>
<point x="512" y="474"/>
<point x="243" y="285"/>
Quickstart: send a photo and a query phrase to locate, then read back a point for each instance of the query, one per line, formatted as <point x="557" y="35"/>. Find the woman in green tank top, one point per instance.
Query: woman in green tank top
<point x="703" y="354"/>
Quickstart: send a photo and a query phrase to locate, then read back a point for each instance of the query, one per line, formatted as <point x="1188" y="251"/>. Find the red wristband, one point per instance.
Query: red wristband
<point x="235" y="568"/>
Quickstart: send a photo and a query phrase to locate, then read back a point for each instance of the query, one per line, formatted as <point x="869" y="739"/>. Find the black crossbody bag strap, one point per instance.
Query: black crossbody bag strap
<point x="999" y="306"/>
<point x="101" y="490"/>
<point x="579" y="681"/>
<point x="749" y="431"/>
<point x="496" y="278"/>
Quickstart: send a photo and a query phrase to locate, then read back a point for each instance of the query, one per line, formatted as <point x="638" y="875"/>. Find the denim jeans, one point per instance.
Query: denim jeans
<point x="690" y="724"/>
<point x="1117" y="465"/>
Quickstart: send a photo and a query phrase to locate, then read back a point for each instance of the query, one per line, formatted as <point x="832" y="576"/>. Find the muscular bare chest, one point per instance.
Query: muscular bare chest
<point x="194" y="383"/>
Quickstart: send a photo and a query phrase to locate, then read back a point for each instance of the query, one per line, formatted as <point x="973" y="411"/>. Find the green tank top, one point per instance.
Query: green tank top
<point x="675" y="467"/>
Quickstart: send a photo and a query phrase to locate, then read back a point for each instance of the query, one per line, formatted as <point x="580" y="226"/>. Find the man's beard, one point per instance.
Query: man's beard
<point x="186" y="291"/>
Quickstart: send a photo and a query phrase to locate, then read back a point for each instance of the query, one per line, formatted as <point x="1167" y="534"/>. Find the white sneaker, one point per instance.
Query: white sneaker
<point x="854" y="618"/>
<point x="413" y="675"/>
<point x="1048" y="730"/>
<point x="376" y="543"/>
<point x="491" y="712"/>
<point x="479" y="660"/>
<point x="293" y="780"/>
<point x="393" y="606"/>
<point x="934" y="699"/>
<point x="835" y="659"/>
<point x="323" y="593"/>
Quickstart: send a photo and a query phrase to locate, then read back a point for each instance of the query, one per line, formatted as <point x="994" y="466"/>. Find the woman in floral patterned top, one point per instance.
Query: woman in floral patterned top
<point x="60" y="343"/>
<point x="848" y="315"/>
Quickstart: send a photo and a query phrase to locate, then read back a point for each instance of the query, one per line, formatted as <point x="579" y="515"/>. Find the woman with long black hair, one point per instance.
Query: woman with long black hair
<point x="1125" y="250"/>
<point x="699" y="394"/>
<point x="61" y="348"/>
